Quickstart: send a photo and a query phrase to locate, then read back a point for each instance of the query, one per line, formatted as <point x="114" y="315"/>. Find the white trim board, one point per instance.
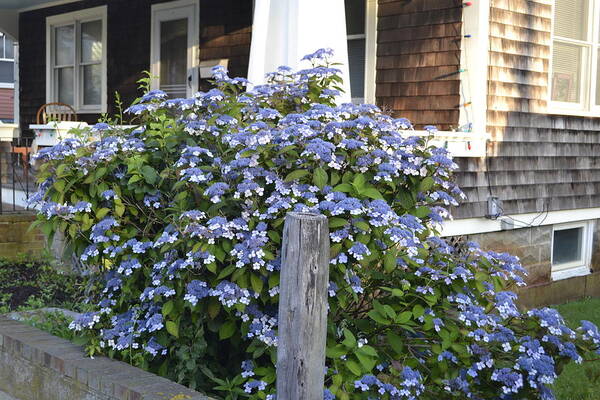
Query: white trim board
<point x="474" y="60"/>
<point x="46" y="5"/>
<point x="470" y="226"/>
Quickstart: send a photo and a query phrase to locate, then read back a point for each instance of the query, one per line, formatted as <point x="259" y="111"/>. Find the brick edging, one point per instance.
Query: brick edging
<point x="103" y="376"/>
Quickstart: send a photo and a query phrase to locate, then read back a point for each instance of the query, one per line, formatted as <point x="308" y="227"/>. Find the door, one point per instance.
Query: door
<point x="174" y="47"/>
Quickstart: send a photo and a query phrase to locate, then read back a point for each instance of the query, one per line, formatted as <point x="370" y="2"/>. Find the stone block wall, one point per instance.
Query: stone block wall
<point x="35" y="365"/>
<point x="16" y="239"/>
<point x="533" y="246"/>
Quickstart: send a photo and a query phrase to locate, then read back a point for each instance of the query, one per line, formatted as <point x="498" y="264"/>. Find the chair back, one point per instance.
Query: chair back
<point x="55" y="112"/>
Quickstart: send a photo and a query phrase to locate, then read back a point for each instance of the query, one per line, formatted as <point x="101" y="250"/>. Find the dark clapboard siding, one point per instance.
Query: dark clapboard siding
<point x="418" y="42"/>
<point x="225" y="30"/>
<point x="536" y="161"/>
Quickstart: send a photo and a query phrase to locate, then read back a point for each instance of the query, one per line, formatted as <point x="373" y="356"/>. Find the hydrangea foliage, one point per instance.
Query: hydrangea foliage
<point x="182" y="217"/>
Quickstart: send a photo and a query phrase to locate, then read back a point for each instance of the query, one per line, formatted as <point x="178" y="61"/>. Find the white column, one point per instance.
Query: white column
<point x="16" y="96"/>
<point x="284" y="31"/>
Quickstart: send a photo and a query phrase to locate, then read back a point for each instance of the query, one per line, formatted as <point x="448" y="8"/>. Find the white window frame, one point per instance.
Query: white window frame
<point x="591" y="46"/>
<point x="76" y="18"/>
<point x="193" y="42"/>
<point x="370" y="37"/>
<point x="578" y="267"/>
<point x="3" y="58"/>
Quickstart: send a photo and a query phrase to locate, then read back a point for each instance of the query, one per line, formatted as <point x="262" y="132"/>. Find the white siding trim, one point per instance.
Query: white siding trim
<point x="469" y="226"/>
<point x="48" y="4"/>
<point x="371" y="51"/>
<point x="474" y="59"/>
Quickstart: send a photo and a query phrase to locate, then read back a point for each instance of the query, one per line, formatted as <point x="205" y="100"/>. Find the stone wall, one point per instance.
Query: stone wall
<point x="531" y="245"/>
<point x="16" y="239"/>
<point x="35" y="365"/>
<point x="534" y="248"/>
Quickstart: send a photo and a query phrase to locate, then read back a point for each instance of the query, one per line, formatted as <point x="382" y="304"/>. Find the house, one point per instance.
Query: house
<point x="510" y="84"/>
<point x="6" y="78"/>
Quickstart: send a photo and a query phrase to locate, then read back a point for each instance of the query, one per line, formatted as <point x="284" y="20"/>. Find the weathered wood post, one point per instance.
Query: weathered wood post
<point x="303" y="307"/>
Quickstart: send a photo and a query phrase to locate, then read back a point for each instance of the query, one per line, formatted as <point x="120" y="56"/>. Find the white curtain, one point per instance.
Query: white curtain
<point x="284" y="31"/>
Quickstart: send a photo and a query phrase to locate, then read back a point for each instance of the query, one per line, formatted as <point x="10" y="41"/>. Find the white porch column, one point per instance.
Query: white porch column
<point x="283" y="31"/>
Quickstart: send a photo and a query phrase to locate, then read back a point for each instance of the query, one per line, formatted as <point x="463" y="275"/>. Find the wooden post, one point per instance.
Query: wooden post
<point x="303" y="307"/>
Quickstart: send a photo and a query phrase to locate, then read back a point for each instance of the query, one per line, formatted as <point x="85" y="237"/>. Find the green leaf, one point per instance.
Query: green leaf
<point x="336" y="222"/>
<point x="343" y="187"/>
<point x="406" y="200"/>
<point x="404" y="317"/>
<point x="227" y="330"/>
<point x="359" y="181"/>
<point x="150" y="174"/>
<point x="119" y="209"/>
<point x="167" y="308"/>
<point x="367" y="362"/>
<point x="349" y="339"/>
<point x="336" y="351"/>
<point x="368" y="350"/>
<point x="362" y="225"/>
<point x="395" y="342"/>
<point x="389" y="261"/>
<point x="426" y="184"/>
<point x="418" y="311"/>
<point x="354" y="367"/>
<point x="172" y="328"/>
<point x="297" y="174"/>
<point x="274" y="236"/>
<point x="422" y="212"/>
<point x="226" y="272"/>
<point x="375" y="316"/>
<point x="320" y="178"/>
<point x="371" y="193"/>
<point x="256" y="282"/>
<point x="101" y="213"/>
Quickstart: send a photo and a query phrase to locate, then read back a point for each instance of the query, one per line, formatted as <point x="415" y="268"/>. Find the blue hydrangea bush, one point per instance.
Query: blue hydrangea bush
<point x="182" y="217"/>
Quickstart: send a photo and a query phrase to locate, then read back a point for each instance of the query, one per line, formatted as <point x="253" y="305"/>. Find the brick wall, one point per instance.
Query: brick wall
<point x="15" y="238"/>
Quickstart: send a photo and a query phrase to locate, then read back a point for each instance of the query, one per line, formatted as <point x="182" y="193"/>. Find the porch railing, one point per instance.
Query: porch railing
<point x="16" y="177"/>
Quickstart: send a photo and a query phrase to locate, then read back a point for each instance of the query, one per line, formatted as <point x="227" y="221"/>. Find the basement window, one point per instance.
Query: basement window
<point x="571" y="249"/>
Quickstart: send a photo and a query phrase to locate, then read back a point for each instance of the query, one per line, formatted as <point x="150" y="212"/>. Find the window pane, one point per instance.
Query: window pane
<point x="173" y="57"/>
<point x="7" y="72"/>
<point x="1" y="46"/>
<point x="64" y="45"/>
<point x="92" y="84"/>
<point x="571" y="19"/>
<point x="9" y="50"/>
<point x="355" y="16"/>
<point x="567" y="245"/>
<point x="356" y="64"/>
<point x="567" y="62"/>
<point x="91" y="41"/>
<point x="64" y="85"/>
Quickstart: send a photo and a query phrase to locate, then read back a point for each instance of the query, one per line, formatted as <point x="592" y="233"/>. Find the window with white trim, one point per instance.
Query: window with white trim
<point x="7" y="59"/>
<point x="575" y="78"/>
<point x="76" y="59"/>
<point x="571" y="249"/>
<point x="361" y="20"/>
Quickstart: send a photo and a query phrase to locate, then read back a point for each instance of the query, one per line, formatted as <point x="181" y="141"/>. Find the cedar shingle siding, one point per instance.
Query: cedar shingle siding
<point x="418" y="43"/>
<point x="225" y="30"/>
<point x="536" y="161"/>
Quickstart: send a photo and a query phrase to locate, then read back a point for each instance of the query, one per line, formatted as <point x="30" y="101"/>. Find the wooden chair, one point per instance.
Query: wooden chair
<point x="55" y="112"/>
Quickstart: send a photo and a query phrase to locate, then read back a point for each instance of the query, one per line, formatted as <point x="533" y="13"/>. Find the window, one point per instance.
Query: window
<point x="361" y="30"/>
<point x="571" y="249"/>
<point x="76" y="59"/>
<point x="7" y="69"/>
<point x="575" y="70"/>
